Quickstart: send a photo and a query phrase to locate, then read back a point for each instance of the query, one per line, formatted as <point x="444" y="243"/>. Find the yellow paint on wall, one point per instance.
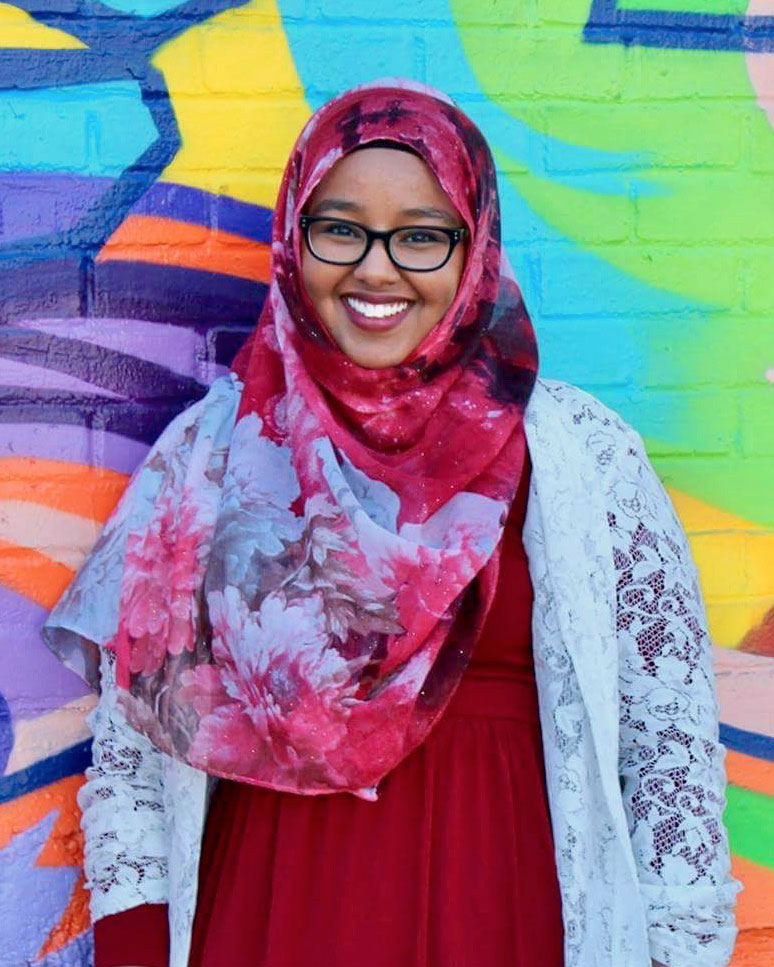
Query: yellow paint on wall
<point x="735" y="558"/>
<point x="19" y="29"/>
<point x="239" y="103"/>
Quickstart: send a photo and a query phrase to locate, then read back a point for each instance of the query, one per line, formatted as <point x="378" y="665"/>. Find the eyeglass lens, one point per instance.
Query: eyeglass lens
<point x="413" y="248"/>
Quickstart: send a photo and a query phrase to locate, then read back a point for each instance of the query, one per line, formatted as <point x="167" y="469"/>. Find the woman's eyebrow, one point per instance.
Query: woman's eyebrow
<point x="430" y="213"/>
<point x="338" y="205"/>
<point x="344" y="205"/>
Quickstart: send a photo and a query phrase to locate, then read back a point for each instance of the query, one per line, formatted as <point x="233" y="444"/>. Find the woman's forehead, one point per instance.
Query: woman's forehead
<point x="381" y="178"/>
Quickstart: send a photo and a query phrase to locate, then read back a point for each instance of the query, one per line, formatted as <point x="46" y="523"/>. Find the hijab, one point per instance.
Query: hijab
<point x="297" y="602"/>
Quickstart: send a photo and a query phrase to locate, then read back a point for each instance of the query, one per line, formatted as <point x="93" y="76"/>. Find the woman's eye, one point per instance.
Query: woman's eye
<point x="422" y="237"/>
<point x="341" y="231"/>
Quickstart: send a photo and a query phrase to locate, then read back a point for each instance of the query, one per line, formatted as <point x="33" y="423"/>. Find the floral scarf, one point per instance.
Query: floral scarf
<point x="297" y="596"/>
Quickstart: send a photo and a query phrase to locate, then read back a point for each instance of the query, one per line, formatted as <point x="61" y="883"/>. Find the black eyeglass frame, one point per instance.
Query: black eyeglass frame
<point x="455" y="235"/>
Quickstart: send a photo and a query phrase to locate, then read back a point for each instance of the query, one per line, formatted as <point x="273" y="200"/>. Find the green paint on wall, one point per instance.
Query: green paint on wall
<point x="652" y="103"/>
<point x="750" y="821"/>
<point x="695" y="221"/>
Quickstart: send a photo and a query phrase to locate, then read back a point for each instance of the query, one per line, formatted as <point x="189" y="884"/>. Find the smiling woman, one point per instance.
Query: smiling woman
<point x="375" y="310"/>
<point x="402" y="653"/>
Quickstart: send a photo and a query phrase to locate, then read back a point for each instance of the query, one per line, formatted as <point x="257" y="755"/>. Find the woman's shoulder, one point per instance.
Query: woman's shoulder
<point x="559" y="400"/>
<point x="580" y="447"/>
<point x="564" y="416"/>
<point x="211" y="416"/>
<point x="222" y="397"/>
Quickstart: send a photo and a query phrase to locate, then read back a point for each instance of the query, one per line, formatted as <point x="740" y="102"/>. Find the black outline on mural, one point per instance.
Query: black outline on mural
<point x="118" y="47"/>
<point x="608" y="24"/>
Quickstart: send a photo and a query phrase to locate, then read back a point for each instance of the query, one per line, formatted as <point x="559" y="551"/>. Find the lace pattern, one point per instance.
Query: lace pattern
<point x="650" y="663"/>
<point x="123" y="815"/>
<point x="628" y="712"/>
<point x="671" y="762"/>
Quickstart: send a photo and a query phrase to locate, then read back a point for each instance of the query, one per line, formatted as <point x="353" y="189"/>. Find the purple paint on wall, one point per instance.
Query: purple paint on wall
<point x="39" y="204"/>
<point x="42" y="204"/>
<point x="14" y="373"/>
<point x="181" y="349"/>
<point x="32" y="680"/>
<point x="42" y="893"/>
<point x="73" y="443"/>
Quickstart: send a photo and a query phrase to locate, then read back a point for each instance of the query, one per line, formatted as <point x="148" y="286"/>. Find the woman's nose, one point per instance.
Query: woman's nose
<point x="376" y="268"/>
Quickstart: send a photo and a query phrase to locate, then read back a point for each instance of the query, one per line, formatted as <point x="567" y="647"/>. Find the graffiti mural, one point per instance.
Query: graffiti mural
<point x="723" y="25"/>
<point x="122" y="296"/>
<point x="141" y="144"/>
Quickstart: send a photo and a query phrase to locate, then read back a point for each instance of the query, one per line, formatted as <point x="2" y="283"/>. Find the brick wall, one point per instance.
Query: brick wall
<point x="141" y="143"/>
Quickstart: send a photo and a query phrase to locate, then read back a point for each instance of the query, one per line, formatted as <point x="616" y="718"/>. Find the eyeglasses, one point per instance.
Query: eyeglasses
<point x="416" y="248"/>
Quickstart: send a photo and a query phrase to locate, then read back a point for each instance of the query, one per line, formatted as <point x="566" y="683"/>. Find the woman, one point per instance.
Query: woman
<point x="317" y="585"/>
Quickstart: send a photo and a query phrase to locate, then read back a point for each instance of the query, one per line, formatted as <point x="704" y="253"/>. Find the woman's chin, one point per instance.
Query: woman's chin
<point x="375" y="357"/>
<point x="373" y="350"/>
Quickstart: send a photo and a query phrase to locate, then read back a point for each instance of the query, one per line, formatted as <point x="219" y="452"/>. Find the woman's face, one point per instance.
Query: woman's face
<point x="381" y="188"/>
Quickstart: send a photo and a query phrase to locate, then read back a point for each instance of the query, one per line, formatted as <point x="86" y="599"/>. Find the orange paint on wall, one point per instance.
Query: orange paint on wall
<point x="74" y="488"/>
<point x="760" y="640"/>
<point x="753" y="908"/>
<point x="754" y="948"/>
<point x="32" y="574"/>
<point x="165" y="241"/>
<point x="746" y="770"/>
<point x="64" y="847"/>
<point x="755" y="942"/>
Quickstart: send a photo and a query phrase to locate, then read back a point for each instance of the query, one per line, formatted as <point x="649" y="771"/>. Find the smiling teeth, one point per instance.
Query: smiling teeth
<point x="376" y="310"/>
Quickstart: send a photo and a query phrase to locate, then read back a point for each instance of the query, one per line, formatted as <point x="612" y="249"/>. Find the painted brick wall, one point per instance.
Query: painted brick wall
<point x="141" y="143"/>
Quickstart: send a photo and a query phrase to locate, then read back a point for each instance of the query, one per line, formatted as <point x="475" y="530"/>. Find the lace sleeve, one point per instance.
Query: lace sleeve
<point x="123" y="812"/>
<point x="671" y="762"/>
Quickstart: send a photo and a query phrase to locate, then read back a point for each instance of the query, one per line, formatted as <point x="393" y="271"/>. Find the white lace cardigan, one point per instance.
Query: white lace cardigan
<point x="627" y="706"/>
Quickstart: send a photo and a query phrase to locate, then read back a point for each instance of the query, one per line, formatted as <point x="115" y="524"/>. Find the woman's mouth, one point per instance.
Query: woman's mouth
<point x="376" y="316"/>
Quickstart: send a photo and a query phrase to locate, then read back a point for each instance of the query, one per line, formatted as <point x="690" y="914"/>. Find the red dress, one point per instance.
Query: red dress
<point x="453" y="866"/>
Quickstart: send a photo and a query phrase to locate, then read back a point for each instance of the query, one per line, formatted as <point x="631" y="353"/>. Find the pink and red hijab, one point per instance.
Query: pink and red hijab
<point x="294" y="581"/>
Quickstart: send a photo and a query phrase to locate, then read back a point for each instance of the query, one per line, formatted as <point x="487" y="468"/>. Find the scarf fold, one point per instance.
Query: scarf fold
<point x="300" y="596"/>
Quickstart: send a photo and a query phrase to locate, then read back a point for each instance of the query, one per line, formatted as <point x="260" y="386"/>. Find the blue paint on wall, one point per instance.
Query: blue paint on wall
<point x="441" y="62"/>
<point x="115" y="33"/>
<point x="70" y="762"/>
<point x="6" y="733"/>
<point x="143" y="8"/>
<point x="42" y="893"/>
<point x="539" y="253"/>
<point x="751" y="743"/>
<point x="106" y="124"/>
<point x="93" y="129"/>
<point x="79" y="953"/>
<point x="610" y="24"/>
